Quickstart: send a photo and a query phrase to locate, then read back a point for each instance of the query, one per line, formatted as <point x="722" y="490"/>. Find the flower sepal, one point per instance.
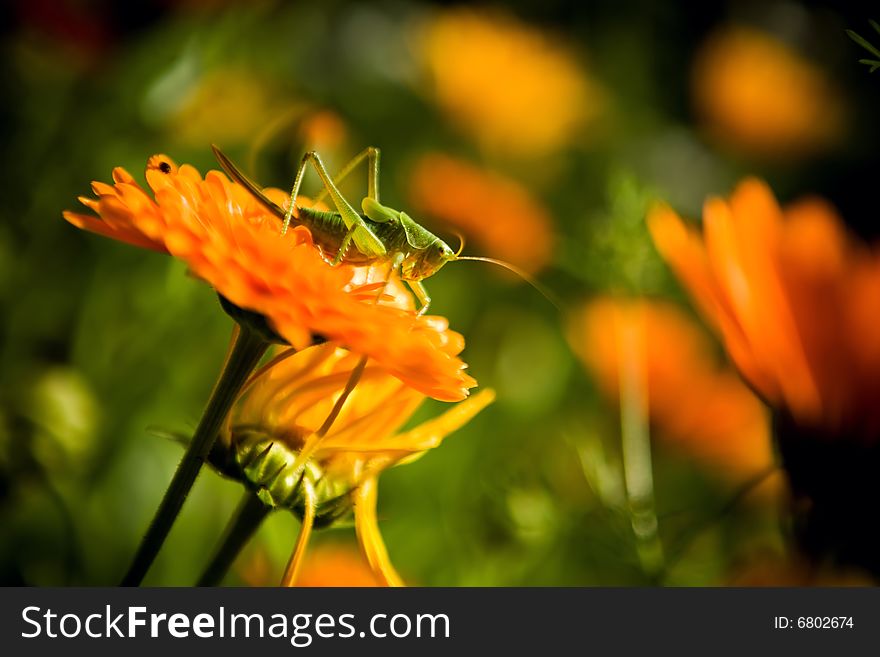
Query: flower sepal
<point x="266" y="465"/>
<point x="252" y="321"/>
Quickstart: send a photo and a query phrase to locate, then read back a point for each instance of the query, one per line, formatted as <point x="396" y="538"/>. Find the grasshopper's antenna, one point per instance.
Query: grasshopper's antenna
<point x="528" y="278"/>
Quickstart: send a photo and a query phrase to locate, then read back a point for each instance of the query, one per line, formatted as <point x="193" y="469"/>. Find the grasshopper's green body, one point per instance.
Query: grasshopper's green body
<point x="378" y="235"/>
<point x="328" y="230"/>
<point x="418" y="252"/>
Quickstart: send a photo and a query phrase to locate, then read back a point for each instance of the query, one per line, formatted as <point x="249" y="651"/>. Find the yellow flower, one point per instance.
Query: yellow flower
<point x="500" y="214"/>
<point x="694" y="404"/>
<point x="757" y="95"/>
<point x="231" y="241"/>
<point x="313" y="430"/>
<point x="512" y="87"/>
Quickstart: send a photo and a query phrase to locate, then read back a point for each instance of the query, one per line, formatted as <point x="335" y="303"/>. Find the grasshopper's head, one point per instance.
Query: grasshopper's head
<point x="427" y="261"/>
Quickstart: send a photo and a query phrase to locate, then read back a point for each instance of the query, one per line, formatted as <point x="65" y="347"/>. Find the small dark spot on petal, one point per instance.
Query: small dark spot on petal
<point x="164" y="167"/>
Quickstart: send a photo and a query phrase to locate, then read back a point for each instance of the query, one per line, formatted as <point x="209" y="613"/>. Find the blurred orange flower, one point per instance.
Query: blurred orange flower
<point x="327" y="565"/>
<point x="794" y="297"/>
<point x="323" y="130"/>
<point x="512" y="87"/>
<point x="499" y="213"/>
<point x="336" y="566"/>
<point x="696" y="405"/>
<point x="274" y="430"/>
<point x="231" y="241"/>
<point x="759" y="96"/>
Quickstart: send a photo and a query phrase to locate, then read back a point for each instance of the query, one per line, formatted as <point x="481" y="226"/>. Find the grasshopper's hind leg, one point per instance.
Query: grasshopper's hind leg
<point x="370" y="154"/>
<point x="366" y="242"/>
<point x="342" y="205"/>
<point x="343" y="247"/>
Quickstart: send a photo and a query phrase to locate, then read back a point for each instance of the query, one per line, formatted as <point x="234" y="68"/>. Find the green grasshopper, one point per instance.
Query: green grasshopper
<point x="379" y="235"/>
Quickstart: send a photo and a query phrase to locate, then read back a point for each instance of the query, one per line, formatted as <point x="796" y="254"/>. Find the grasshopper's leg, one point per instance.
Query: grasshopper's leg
<point x="370" y="154"/>
<point x="343" y="247"/>
<point x="366" y="242"/>
<point x="421" y="294"/>
<point x="416" y="286"/>
<point x="297" y="183"/>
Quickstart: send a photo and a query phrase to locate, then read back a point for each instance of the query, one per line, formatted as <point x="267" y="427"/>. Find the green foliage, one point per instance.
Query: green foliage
<point x="874" y="64"/>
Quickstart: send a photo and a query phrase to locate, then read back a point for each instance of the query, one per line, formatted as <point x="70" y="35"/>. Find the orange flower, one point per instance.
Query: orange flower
<point x="328" y="565"/>
<point x="323" y="130"/>
<point x="759" y="96"/>
<point x="694" y="404"/>
<point x="274" y="435"/>
<point x="500" y="214"/>
<point x="231" y="241"/>
<point x="491" y="74"/>
<point x="336" y="565"/>
<point x="794" y="297"/>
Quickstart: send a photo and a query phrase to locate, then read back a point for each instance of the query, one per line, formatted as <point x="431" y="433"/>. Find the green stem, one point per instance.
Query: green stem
<point x="636" y="447"/>
<point x="246" y="352"/>
<point x="248" y="517"/>
<point x="707" y="523"/>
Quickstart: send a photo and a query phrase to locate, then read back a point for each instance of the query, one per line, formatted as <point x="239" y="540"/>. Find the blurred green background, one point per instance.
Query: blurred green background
<point x="582" y="112"/>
